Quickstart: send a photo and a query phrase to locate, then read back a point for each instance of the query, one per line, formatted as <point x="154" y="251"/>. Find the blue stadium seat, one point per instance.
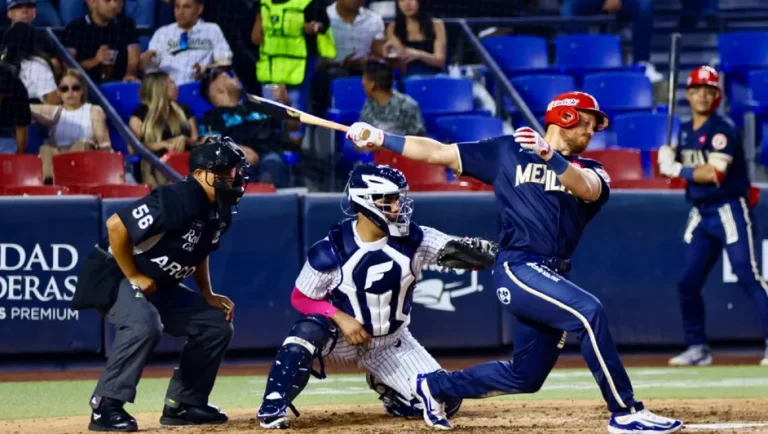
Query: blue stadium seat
<point x="441" y="96"/>
<point x="189" y="94"/>
<point x="469" y="128"/>
<point x="538" y="90"/>
<point x="124" y="97"/>
<point x="758" y="91"/>
<point x="742" y="51"/>
<point x="643" y="131"/>
<point x="518" y="54"/>
<point x="347" y="99"/>
<point x="582" y="54"/>
<point x="620" y="92"/>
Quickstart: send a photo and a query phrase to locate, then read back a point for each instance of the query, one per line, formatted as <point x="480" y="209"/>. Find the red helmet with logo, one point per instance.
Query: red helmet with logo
<point x="707" y="76"/>
<point x="564" y="110"/>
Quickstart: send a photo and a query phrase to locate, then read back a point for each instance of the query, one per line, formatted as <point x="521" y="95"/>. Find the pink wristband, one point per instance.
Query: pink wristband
<point x="309" y="306"/>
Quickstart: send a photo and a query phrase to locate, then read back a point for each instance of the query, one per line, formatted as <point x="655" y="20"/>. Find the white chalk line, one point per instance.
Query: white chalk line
<point x="724" y="425"/>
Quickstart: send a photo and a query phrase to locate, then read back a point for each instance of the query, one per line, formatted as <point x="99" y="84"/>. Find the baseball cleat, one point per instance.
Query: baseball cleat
<point x="273" y="414"/>
<point x="110" y="416"/>
<point x="643" y="421"/>
<point x="434" y="412"/>
<point x="695" y="355"/>
<point x="184" y="414"/>
<point x="764" y="362"/>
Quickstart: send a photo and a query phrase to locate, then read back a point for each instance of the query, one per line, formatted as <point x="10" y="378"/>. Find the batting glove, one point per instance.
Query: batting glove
<point x="374" y="137"/>
<point x="666" y="155"/>
<point x="530" y="139"/>
<point x="670" y="169"/>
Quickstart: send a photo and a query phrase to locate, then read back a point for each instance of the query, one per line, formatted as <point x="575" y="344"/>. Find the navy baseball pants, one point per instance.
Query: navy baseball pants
<point x="547" y="305"/>
<point x="711" y="228"/>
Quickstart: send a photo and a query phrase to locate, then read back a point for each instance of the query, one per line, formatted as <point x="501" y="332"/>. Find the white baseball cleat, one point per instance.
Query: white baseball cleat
<point x="643" y="421"/>
<point x="695" y="355"/>
<point x="434" y="412"/>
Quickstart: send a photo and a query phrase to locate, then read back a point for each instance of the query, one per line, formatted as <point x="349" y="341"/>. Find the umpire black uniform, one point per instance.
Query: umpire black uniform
<point x="133" y="278"/>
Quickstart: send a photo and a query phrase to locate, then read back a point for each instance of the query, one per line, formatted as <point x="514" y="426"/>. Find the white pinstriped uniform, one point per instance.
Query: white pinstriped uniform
<point x="395" y="357"/>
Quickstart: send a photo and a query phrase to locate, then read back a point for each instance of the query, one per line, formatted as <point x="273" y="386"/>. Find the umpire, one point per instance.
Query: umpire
<point x="133" y="278"/>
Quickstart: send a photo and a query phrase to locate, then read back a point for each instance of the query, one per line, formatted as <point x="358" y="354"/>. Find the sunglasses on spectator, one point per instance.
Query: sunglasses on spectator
<point x="75" y="88"/>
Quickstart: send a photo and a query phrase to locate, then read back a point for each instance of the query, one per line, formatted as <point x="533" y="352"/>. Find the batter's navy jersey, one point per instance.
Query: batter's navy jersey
<point x="538" y="214"/>
<point x="718" y="137"/>
<point x="173" y="229"/>
<point x="370" y="281"/>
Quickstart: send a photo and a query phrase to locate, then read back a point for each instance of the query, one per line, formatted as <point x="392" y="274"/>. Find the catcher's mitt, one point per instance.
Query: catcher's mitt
<point x="467" y="254"/>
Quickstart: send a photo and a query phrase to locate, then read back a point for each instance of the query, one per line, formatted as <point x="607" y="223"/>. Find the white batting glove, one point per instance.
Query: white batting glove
<point x="530" y="139"/>
<point x="666" y="155"/>
<point x="374" y="137"/>
<point x="670" y="169"/>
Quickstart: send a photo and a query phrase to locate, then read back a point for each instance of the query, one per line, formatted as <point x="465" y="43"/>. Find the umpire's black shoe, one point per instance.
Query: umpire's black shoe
<point x="110" y="416"/>
<point x="192" y="415"/>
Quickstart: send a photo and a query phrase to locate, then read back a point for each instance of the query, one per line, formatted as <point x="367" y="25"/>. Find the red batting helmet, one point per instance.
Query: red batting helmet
<point x="707" y="76"/>
<point x="564" y="110"/>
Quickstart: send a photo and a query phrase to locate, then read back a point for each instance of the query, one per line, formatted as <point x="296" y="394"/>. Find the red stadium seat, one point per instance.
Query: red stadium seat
<point x="259" y="187"/>
<point x="88" y="168"/>
<point x="35" y="190"/>
<point x="649" y="184"/>
<point x="415" y="172"/>
<point x="476" y="185"/>
<point x="20" y="170"/>
<point x="654" y="156"/>
<point x="621" y="164"/>
<point x="118" y="190"/>
<point x="442" y="186"/>
<point x="179" y="161"/>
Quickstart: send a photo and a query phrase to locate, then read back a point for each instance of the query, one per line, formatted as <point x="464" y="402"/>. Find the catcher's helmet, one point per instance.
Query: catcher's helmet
<point x="221" y="156"/>
<point x="707" y="76"/>
<point x="564" y="110"/>
<point x="368" y="184"/>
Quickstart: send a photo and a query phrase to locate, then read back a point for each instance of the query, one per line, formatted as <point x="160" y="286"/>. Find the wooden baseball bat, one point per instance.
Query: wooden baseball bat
<point x="274" y="108"/>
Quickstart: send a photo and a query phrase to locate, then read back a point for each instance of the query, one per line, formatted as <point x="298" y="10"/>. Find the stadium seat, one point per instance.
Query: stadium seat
<point x="179" y="161"/>
<point x="476" y="185"/>
<point x="651" y="183"/>
<point x="538" y="90"/>
<point x="415" y="172"/>
<point x="124" y="97"/>
<point x="643" y="131"/>
<point x="742" y="51"/>
<point x="18" y="170"/>
<point x="467" y="128"/>
<point x="621" y="164"/>
<point x="518" y="55"/>
<point x="347" y="99"/>
<point x="441" y="186"/>
<point x="441" y="95"/>
<point x="118" y="190"/>
<point x="758" y="89"/>
<point x="88" y="168"/>
<point x="620" y="92"/>
<point x="189" y="94"/>
<point x="259" y="188"/>
<point x="580" y="54"/>
<point x="34" y="190"/>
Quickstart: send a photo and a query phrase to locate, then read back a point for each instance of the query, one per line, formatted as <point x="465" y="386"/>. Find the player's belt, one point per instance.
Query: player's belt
<point x="559" y="265"/>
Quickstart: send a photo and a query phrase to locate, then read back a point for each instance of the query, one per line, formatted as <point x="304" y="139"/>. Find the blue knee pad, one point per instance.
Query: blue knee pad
<point x="397" y="405"/>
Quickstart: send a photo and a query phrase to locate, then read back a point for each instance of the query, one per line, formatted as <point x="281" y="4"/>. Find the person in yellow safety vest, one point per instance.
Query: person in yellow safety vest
<point x="289" y="34"/>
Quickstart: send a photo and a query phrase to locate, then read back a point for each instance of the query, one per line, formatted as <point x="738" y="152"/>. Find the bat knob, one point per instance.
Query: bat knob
<point x="365" y="134"/>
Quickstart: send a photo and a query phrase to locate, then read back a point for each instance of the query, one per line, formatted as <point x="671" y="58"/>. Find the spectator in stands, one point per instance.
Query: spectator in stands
<point x="15" y="116"/>
<point x="236" y="21"/>
<point x="73" y="126"/>
<point x="358" y="33"/>
<point x="416" y="39"/>
<point x="141" y="12"/>
<point x="258" y="135"/>
<point x="386" y="108"/>
<point x="189" y="46"/>
<point x="35" y="69"/>
<point x="38" y="12"/>
<point x="161" y="123"/>
<point x="294" y="34"/>
<point x="25" y="11"/>
<point x="107" y="48"/>
<point x="641" y="14"/>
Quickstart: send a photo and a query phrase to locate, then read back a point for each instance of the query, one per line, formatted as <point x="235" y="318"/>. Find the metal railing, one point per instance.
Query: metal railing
<point x="95" y="93"/>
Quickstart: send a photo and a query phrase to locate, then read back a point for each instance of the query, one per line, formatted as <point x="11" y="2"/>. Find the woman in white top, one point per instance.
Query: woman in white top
<point x="35" y="69"/>
<point x="73" y="126"/>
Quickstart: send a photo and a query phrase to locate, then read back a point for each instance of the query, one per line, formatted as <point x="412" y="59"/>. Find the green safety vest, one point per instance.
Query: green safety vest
<point x="283" y="51"/>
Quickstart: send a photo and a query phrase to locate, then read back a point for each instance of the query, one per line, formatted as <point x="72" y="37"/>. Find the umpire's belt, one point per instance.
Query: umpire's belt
<point x="559" y="265"/>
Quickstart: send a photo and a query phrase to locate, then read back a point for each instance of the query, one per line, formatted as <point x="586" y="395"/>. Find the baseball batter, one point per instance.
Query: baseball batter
<point x="710" y="157"/>
<point x="360" y="280"/>
<point x="547" y="195"/>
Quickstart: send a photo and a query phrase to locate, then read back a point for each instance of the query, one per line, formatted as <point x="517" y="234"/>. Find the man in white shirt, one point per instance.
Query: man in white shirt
<point x="187" y="47"/>
<point x="358" y="33"/>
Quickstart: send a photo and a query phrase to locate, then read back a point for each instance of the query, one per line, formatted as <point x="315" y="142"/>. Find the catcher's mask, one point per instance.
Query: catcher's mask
<point x="221" y="156"/>
<point x="380" y="194"/>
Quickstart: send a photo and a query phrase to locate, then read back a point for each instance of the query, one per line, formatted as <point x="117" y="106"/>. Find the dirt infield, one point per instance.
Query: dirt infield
<point x="493" y="416"/>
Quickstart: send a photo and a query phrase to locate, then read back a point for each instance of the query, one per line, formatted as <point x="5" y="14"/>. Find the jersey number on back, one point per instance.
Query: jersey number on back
<point x="143" y="216"/>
